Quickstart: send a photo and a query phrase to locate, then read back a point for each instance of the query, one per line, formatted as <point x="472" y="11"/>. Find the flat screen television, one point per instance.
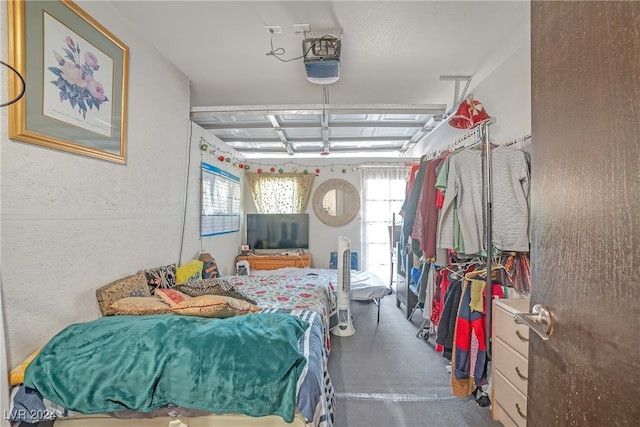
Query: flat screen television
<point x="278" y="231"/>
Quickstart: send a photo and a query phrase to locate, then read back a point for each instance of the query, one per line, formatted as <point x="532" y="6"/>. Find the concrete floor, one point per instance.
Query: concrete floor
<point x="384" y="376"/>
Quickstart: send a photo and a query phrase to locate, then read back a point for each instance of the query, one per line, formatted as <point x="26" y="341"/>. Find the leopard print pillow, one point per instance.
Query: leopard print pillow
<point x="217" y="286"/>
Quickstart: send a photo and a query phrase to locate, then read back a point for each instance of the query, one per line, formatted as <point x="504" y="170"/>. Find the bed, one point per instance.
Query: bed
<point x="299" y="306"/>
<point x="294" y="288"/>
<point x="364" y="286"/>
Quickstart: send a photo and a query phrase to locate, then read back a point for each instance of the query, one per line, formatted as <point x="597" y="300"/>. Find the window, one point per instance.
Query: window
<point x="383" y="193"/>
<point x="280" y="193"/>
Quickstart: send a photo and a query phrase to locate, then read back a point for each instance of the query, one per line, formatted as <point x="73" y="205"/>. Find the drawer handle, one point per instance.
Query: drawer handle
<point x="523" y="338"/>
<point x="524" y="417"/>
<point x="520" y="374"/>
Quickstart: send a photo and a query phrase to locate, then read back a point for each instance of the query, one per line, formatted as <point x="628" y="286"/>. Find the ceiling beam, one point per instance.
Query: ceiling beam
<point x="311" y="125"/>
<point x="363" y="139"/>
<point x="311" y="150"/>
<point x="201" y="113"/>
<point x="278" y="130"/>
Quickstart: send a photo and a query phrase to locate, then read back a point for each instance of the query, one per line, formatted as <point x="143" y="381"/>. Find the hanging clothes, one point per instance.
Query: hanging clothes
<point x="469" y="324"/>
<point x="516" y="273"/>
<point x="447" y="325"/>
<point x="464" y="194"/>
<point x="429" y="210"/>
<point x="409" y="187"/>
<point x="441" y="179"/>
<point x="410" y="206"/>
<point x="448" y="231"/>
<point x="510" y="208"/>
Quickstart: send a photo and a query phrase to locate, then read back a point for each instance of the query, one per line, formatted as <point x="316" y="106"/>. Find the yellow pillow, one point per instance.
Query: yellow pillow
<point x="139" y="306"/>
<point x="189" y="271"/>
<point x="204" y="306"/>
<point x="240" y="307"/>
<point x="16" y="376"/>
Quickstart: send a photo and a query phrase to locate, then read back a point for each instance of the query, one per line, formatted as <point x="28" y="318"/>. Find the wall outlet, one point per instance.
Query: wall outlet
<point x="300" y="28"/>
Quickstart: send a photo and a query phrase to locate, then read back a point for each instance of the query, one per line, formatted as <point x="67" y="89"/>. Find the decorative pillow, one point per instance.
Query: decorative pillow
<point x="240" y="307"/>
<point x="171" y="296"/>
<point x="16" y="376"/>
<point x="210" y="268"/>
<point x="189" y="271"/>
<point x="160" y="277"/>
<point x="131" y="286"/>
<point x="204" y="306"/>
<point x="139" y="306"/>
<point x="217" y="286"/>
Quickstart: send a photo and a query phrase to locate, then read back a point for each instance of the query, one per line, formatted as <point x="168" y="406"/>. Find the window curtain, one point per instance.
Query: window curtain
<point x="383" y="192"/>
<point x="280" y="193"/>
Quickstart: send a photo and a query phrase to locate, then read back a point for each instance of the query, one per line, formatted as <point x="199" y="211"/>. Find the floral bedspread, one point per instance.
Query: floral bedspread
<point x="294" y="292"/>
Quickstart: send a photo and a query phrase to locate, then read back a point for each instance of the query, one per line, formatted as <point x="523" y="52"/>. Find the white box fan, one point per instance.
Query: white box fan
<point x="344" y="328"/>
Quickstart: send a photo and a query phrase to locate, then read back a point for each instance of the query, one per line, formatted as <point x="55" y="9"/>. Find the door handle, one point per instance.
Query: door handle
<point x="539" y="320"/>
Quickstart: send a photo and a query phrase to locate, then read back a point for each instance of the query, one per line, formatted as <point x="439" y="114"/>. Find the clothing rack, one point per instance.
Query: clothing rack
<point x="484" y="131"/>
<point x="486" y="140"/>
<point x="520" y="140"/>
<point x="473" y="135"/>
<point x="480" y="134"/>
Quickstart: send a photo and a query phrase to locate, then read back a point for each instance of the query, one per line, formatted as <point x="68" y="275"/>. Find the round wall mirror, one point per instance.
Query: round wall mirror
<point x="336" y="202"/>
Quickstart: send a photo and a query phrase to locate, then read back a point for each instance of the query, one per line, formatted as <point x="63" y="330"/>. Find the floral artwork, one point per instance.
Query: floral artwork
<point x="77" y="77"/>
<point x="76" y="80"/>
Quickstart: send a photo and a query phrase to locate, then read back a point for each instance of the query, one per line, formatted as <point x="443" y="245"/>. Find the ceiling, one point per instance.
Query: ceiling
<point x="391" y="91"/>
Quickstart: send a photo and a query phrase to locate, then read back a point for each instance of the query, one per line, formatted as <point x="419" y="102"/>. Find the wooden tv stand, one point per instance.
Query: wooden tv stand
<point x="272" y="262"/>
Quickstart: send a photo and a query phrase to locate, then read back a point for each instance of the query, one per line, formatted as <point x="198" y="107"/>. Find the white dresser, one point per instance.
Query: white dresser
<point x="510" y="354"/>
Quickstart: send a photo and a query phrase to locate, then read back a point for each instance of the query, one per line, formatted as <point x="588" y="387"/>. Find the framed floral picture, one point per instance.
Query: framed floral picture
<point x="76" y="80"/>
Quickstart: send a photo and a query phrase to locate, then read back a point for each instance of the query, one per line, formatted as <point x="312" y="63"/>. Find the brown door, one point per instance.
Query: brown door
<point x="585" y="253"/>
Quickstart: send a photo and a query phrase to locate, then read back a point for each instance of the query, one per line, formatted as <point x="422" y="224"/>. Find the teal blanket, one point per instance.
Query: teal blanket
<point x="246" y="364"/>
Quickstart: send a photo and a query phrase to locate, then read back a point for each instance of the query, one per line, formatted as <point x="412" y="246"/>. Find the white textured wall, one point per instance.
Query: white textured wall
<point x="72" y="223"/>
<point x="223" y="247"/>
<point x="506" y="95"/>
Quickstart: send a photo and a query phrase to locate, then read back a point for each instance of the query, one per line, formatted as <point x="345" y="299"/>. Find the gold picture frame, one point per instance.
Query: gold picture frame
<point x="76" y="75"/>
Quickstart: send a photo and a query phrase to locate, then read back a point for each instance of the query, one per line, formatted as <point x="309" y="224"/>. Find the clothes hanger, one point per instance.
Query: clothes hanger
<point x="458" y="268"/>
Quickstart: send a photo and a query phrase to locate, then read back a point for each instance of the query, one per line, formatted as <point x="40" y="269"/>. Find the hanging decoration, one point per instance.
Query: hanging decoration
<point x="238" y="161"/>
<point x="470" y="113"/>
<point x="223" y="155"/>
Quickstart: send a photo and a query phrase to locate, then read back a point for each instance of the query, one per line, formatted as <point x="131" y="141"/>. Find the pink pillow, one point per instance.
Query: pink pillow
<point x="171" y="296"/>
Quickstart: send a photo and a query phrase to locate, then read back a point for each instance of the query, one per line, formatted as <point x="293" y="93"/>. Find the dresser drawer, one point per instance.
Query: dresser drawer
<point x="511" y="364"/>
<point x="505" y="328"/>
<point x="510" y="400"/>
<point x="501" y="415"/>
